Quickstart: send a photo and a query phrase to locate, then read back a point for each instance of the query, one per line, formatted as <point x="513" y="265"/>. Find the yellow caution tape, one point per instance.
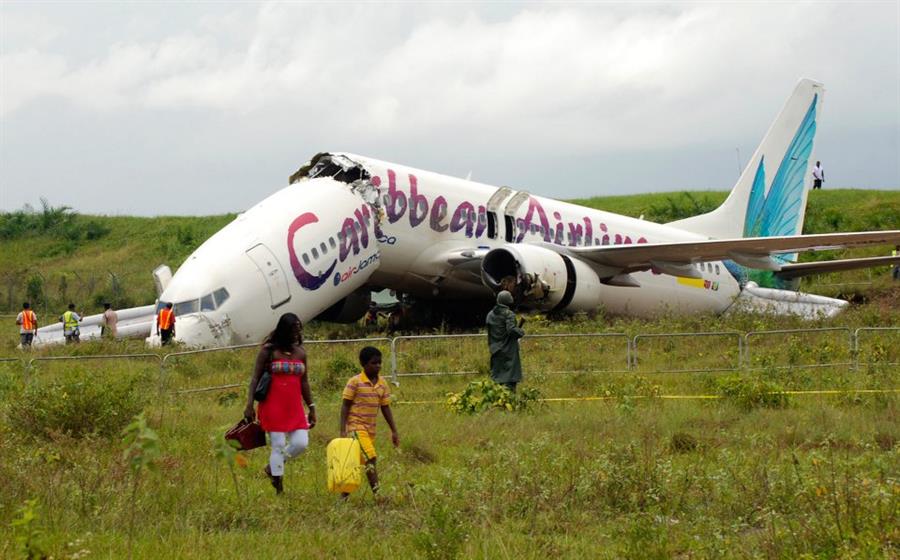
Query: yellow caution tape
<point x="688" y="397"/>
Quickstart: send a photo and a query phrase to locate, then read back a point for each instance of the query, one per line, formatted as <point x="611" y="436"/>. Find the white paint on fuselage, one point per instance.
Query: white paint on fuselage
<point x="403" y="257"/>
<point x="409" y="254"/>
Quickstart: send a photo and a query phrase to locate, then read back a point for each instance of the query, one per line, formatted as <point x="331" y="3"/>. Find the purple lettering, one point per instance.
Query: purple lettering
<point x="363" y="227"/>
<point x="457" y="222"/>
<point x="575" y="233"/>
<point x="438" y="213"/>
<point x="396" y="206"/>
<point x="418" y="204"/>
<point x="350" y="240"/>
<point x="535" y="206"/>
<point x="481" y="224"/>
<point x="307" y="281"/>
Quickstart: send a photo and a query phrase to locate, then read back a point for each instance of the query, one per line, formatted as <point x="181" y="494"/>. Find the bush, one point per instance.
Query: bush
<point x="336" y="373"/>
<point x="479" y="396"/>
<point x="79" y="408"/>
<point x="753" y="392"/>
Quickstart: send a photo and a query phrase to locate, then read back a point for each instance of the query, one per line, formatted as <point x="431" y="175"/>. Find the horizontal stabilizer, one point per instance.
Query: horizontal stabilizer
<point x="796" y="270"/>
<point x="631" y="258"/>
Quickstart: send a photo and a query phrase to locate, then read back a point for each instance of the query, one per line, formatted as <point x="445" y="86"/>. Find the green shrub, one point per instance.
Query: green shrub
<point x="752" y="392"/>
<point x="339" y="369"/>
<point x="444" y="532"/>
<point x="88" y="405"/>
<point x="479" y="396"/>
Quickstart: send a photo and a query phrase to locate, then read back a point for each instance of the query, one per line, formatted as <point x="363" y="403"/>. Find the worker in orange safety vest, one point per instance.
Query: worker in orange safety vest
<point x="28" y="324"/>
<point x="165" y="324"/>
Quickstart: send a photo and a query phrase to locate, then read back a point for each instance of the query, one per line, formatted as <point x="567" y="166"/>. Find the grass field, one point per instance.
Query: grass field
<point x="755" y="473"/>
<point x="765" y="469"/>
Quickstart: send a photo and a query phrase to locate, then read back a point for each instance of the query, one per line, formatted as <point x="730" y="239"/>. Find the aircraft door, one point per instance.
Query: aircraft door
<point x="492" y="205"/>
<point x="271" y="269"/>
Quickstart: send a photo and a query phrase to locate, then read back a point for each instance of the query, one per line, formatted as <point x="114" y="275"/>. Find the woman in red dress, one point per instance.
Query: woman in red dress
<point x="281" y="413"/>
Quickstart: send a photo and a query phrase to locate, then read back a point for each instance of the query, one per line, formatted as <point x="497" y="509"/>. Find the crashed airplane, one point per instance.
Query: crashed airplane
<point x="347" y="224"/>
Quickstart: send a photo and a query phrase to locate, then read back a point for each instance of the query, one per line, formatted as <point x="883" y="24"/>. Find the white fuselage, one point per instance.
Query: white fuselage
<point x="314" y="242"/>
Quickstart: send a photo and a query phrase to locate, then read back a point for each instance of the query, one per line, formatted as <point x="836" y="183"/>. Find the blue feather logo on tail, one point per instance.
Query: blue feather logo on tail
<point x="778" y="212"/>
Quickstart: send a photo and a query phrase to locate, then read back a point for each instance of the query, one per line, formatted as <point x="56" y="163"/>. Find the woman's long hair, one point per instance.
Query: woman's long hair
<point x="283" y="337"/>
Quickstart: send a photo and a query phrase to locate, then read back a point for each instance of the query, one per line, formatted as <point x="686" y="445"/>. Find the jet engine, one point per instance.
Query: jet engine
<point x="541" y="279"/>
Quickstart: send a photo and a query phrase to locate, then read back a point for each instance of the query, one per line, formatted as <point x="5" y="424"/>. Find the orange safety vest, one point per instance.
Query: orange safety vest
<point x="166" y="319"/>
<point x="28" y="320"/>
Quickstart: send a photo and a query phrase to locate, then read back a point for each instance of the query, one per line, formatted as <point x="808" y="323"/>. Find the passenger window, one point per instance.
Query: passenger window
<point x="315" y="253"/>
<point x="207" y="303"/>
<point x="717" y="269"/>
<point x="220" y="296"/>
<point x="323" y="248"/>
<point x="331" y="242"/>
<point x="305" y="258"/>
<point x="341" y="236"/>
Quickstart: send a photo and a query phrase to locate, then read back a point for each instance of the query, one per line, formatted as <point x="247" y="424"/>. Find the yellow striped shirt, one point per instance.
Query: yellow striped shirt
<point x="367" y="399"/>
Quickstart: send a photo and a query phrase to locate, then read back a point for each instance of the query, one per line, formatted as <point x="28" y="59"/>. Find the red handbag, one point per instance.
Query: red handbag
<point x="248" y="435"/>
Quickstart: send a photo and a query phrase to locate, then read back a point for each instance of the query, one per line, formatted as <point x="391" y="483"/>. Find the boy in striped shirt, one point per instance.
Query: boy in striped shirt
<point x="363" y="396"/>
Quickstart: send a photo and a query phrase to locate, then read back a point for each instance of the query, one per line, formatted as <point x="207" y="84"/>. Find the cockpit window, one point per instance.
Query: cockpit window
<point x="187" y="307"/>
<point x="220" y="295"/>
<point x="207" y="303"/>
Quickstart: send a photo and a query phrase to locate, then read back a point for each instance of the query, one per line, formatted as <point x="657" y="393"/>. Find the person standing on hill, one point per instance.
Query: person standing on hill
<point x="70" y="320"/>
<point x="503" y="342"/>
<point x="818" y="175"/>
<point x="28" y="324"/>
<point x="165" y="324"/>
<point x="896" y="272"/>
<point x="109" y="321"/>
<point x="281" y="412"/>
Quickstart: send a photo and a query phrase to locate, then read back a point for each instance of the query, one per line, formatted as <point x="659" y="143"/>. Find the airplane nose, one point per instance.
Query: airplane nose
<point x="199" y="331"/>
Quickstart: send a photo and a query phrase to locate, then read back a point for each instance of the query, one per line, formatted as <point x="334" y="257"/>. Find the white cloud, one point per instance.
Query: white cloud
<point x="533" y="81"/>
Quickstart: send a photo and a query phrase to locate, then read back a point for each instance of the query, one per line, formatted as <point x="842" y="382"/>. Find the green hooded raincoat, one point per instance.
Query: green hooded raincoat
<point x="503" y="341"/>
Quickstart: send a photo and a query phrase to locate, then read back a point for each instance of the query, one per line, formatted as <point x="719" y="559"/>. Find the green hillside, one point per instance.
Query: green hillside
<point x="55" y="256"/>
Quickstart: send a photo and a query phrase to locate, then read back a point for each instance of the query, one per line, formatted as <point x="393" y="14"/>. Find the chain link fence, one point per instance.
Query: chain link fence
<point x="687" y="352"/>
<point x="333" y="361"/>
<point x="799" y="348"/>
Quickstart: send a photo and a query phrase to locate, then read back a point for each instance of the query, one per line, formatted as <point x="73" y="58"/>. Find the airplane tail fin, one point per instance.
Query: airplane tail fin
<point x="770" y="196"/>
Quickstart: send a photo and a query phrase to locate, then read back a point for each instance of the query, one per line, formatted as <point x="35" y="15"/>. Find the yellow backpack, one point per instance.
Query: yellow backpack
<point x="344" y="470"/>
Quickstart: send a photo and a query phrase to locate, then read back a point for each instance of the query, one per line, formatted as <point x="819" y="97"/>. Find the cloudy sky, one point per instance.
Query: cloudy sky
<point x="170" y="108"/>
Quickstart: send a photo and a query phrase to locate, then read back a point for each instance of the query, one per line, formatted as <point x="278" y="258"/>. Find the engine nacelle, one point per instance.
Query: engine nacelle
<point x="541" y="279"/>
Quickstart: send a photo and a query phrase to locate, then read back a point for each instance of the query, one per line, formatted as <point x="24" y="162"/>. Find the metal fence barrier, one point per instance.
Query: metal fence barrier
<point x="29" y="367"/>
<point x="475" y="361"/>
<point x="703" y="356"/>
<point x="890" y="351"/>
<point x="247" y="368"/>
<point x="589" y="353"/>
<point x="466" y="354"/>
<point x="822" y="352"/>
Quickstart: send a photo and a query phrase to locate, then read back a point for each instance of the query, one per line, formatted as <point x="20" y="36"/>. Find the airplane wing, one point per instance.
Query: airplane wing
<point x="796" y="270"/>
<point x="753" y="252"/>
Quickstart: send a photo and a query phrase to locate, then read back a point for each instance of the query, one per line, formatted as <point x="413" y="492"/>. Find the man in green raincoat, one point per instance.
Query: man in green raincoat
<point x="503" y="341"/>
